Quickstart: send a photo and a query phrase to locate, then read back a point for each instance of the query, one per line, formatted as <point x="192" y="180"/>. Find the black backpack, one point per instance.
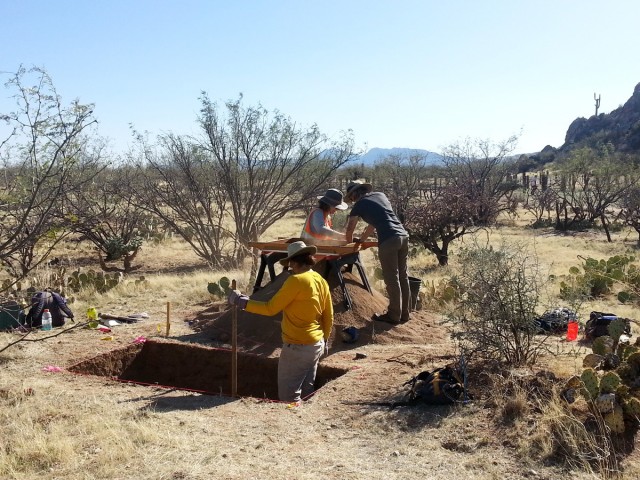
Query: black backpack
<point x="598" y="325"/>
<point x="555" y="321"/>
<point x="442" y="386"/>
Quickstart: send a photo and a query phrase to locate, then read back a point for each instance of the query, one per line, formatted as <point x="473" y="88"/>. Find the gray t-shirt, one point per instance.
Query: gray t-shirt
<point x="375" y="209"/>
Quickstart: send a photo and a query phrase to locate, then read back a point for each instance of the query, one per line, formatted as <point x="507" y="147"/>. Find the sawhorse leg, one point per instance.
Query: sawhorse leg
<point x="335" y="264"/>
<point x="267" y="261"/>
<point x="363" y="275"/>
<point x="260" y="275"/>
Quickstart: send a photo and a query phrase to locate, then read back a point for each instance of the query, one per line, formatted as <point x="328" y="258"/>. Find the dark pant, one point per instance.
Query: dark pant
<point x="393" y="260"/>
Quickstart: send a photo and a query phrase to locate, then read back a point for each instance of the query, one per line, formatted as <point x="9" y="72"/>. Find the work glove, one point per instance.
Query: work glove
<point x="242" y="301"/>
<point x="233" y="296"/>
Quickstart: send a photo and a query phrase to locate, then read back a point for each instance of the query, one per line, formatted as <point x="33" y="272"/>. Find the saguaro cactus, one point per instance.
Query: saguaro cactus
<point x="597" y="102"/>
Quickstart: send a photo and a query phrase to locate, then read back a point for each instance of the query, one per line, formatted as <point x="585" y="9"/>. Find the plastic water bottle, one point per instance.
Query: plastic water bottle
<point x="46" y="320"/>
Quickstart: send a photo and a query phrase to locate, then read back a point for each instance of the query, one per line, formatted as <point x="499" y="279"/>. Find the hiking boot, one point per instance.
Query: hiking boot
<point x="404" y="320"/>
<point x="384" y="317"/>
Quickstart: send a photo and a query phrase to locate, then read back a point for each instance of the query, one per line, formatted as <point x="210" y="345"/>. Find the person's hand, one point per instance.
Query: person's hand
<point x="232" y="299"/>
<point x="242" y="301"/>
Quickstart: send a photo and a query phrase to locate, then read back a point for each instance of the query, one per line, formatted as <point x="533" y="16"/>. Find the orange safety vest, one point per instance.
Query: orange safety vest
<point x="317" y="236"/>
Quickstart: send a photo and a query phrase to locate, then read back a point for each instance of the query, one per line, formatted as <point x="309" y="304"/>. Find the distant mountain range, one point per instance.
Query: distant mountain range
<point x="375" y="155"/>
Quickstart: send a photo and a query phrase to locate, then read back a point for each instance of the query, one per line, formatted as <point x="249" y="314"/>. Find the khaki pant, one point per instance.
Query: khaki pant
<point x="393" y="255"/>
<point x="297" y="370"/>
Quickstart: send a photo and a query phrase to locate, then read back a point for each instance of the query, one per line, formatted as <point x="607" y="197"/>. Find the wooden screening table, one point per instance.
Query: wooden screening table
<point x="336" y="256"/>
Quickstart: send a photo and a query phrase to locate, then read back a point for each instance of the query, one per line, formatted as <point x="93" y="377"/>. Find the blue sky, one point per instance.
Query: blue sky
<point x="415" y="74"/>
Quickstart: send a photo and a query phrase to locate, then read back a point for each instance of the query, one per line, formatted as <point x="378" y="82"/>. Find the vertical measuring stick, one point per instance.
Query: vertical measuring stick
<point x="234" y="346"/>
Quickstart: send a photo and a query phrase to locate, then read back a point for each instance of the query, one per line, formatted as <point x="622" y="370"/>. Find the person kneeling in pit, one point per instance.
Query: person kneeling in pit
<point x="307" y="318"/>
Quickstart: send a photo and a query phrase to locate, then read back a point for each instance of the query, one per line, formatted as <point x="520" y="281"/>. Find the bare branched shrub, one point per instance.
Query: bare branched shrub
<point x="499" y="292"/>
<point x="43" y="153"/>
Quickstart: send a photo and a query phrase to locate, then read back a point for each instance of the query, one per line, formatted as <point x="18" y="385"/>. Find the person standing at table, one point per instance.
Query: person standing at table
<point x="393" y="245"/>
<point x="318" y="228"/>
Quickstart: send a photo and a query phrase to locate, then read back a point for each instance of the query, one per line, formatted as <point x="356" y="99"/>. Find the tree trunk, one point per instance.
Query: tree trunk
<point x="606" y="227"/>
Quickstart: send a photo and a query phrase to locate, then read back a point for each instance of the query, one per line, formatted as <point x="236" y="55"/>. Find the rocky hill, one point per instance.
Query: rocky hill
<point x="621" y="127"/>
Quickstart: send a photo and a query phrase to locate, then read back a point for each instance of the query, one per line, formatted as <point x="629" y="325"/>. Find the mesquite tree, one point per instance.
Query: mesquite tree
<point x="483" y="168"/>
<point x="268" y="165"/>
<point x="448" y="213"/>
<point x="43" y="152"/>
<point x="478" y="187"/>
<point x="630" y="209"/>
<point x="181" y="186"/>
<point x="106" y="214"/>
<point x="593" y="181"/>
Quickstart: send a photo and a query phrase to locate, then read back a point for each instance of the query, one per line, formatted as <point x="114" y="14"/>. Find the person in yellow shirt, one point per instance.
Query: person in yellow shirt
<point x="307" y="318"/>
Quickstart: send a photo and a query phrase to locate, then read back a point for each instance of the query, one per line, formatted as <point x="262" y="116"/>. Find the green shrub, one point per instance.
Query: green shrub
<point x="498" y="296"/>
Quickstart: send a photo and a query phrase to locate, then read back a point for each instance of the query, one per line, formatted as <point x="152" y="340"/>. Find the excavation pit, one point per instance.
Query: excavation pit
<point x="194" y="368"/>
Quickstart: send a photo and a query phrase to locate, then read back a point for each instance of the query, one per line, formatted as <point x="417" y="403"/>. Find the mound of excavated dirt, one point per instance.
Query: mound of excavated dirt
<point x="260" y="334"/>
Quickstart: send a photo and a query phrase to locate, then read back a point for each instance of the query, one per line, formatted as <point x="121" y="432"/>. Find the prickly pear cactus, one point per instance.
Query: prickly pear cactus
<point x="220" y="288"/>
<point x="625" y="351"/>
<point x="615" y="419"/>
<point x="617" y="328"/>
<point x="603" y="345"/>
<point x="605" y="402"/>
<point x="626" y="372"/>
<point x="591" y="383"/>
<point x="611" y="361"/>
<point x="609" y="382"/>
<point x="622" y="391"/>
<point x="634" y="360"/>
<point x="593" y="360"/>
<point x="631" y="408"/>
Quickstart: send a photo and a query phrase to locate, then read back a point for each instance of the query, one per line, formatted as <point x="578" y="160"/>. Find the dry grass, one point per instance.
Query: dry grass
<point x="561" y="435"/>
<point x="55" y="426"/>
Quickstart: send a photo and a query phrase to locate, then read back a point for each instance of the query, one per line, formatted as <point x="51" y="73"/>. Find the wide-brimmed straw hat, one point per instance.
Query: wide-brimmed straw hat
<point x="355" y="185"/>
<point x="333" y="198"/>
<point x="297" y="248"/>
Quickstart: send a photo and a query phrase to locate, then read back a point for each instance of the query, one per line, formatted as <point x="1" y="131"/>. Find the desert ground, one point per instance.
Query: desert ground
<point x="64" y="417"/>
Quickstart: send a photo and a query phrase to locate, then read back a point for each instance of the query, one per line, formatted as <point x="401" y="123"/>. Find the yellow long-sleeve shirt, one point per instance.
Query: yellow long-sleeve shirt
<point x="307" y="311"/>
